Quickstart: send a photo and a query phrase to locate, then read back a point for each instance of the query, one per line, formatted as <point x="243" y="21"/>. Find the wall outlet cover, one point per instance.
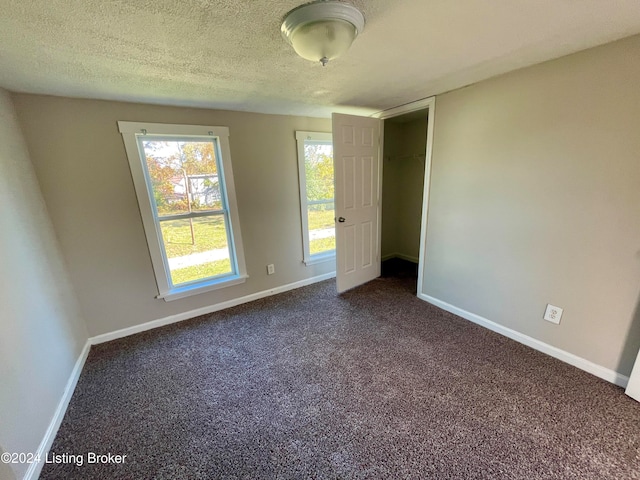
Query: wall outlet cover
<point x="271" y="269"/>
<point x="553" y="314"/>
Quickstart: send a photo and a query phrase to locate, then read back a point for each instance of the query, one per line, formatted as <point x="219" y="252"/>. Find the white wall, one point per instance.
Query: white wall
<point x="535" y="199"/>
<point x="42" y="331"/>
<point x="80" y="161"/>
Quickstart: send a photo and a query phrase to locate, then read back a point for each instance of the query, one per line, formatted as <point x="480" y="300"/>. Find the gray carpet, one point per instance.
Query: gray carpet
<point x="371" y="384"/>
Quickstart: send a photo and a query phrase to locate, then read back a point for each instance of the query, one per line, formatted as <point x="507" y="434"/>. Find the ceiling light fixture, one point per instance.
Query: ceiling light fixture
<point x="322" y="30"/>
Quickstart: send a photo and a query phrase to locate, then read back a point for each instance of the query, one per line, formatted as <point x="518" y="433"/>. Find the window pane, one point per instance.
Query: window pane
<point x="205" y="192"/>
<point x="318" y="163"/>
<point x="196" y="248"/>
<point x="184" y="175"/>
<point x="322" y="232"/>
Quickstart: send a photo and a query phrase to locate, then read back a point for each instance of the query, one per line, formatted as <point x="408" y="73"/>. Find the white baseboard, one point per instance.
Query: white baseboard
<point x="125" y="332"/>
<point x="45" y="445"/>
<point x="401" y="256"/>
<point x="408" y="258"/>
<point x="579" y="362"/>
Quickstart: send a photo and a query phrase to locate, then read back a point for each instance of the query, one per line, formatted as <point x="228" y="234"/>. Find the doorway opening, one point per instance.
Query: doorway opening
<point x="403" y="173"/>
<point x="358" y="172"/>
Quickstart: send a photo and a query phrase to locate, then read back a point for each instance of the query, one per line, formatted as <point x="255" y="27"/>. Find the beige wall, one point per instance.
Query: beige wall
<point x="81" y="164"/>
<point x="535" y="199"/>
<point x="42" y="331"/>
<point x="402" y="186"/>
<point x="389" y="226"/>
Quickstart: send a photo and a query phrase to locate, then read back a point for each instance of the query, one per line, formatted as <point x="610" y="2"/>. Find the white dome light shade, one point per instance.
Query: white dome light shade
<point x="323" y="30"/>
<point x="326" y="39"/>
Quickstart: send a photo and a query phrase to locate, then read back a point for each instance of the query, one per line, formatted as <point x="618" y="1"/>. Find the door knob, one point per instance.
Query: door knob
<point x="341" y="219"/>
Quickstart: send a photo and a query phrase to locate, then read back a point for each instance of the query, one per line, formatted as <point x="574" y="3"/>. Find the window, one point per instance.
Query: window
<point x="184" y="184"/>
<point x="315" y="167"/>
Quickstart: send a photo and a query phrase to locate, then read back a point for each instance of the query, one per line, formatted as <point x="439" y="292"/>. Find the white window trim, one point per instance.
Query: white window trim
<point x="309" y="259"/>
<point x="130" y="132"/>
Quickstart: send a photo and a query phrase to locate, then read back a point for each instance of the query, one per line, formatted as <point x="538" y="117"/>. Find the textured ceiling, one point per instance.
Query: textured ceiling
<point x="229" y="53"/>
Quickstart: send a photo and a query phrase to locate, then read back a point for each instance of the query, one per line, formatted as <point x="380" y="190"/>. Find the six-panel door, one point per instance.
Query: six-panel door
<point x="356" y="169"/>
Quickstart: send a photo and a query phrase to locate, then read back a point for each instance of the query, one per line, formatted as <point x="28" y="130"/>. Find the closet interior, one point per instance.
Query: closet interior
<point x="404" y="154"/>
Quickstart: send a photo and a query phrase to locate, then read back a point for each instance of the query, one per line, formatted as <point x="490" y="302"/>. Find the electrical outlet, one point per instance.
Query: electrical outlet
<point x="553" y="314"/>
<point x="271" y="269"/>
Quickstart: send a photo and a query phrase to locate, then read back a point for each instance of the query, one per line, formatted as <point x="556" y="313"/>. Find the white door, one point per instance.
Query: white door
<point x="633" y="388"/>
<point x="356" y="142"/>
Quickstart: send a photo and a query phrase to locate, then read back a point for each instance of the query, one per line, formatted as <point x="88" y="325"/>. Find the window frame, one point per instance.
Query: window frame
<point x="131" y="133"/>
<point x="308" y="258"/>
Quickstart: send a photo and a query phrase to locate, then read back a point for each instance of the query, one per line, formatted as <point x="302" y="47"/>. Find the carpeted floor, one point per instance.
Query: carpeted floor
<point x="371" y="384"/>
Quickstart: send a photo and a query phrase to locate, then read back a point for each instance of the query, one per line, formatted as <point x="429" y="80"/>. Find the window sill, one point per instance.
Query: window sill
<point x="187" y="291"/>
<point x="327" y="257"/>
